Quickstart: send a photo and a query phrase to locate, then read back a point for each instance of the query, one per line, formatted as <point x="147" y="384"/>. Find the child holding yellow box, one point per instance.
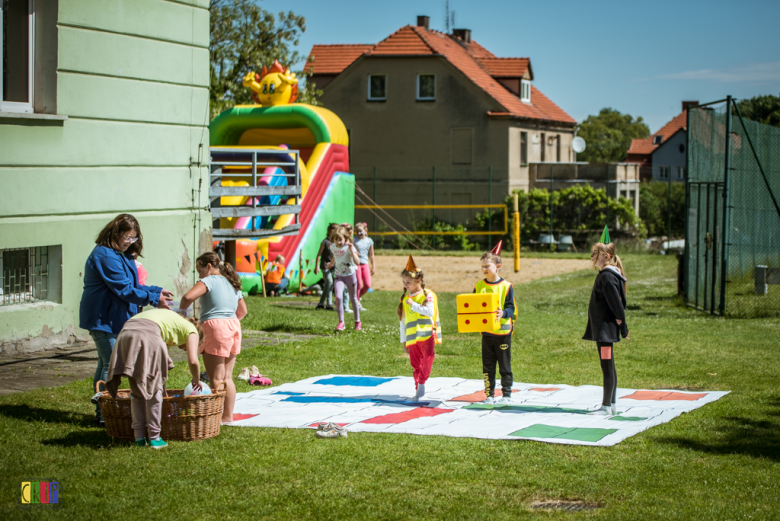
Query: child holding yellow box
<point x="497" y="345"/>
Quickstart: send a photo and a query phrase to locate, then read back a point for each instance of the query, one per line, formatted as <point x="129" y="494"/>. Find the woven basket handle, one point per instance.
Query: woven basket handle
<point x="97" y="385"/>
<point x="222" y="387"/>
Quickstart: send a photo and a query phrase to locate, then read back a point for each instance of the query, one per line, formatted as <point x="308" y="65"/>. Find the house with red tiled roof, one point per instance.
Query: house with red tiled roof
<point x="662" y="156"/>
<point x="422" y="104"/>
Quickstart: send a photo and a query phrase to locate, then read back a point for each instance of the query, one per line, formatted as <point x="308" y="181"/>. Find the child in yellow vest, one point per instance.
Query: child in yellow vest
<point x="496" y="347"/>
<point x="418" y="312"/>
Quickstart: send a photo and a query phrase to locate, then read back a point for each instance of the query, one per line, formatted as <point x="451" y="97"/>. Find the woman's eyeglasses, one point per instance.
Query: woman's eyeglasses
<point x="131" y="240"/>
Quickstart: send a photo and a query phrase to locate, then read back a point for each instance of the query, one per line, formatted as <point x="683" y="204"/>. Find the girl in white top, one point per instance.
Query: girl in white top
<point x="345" y="261"/>
<point x="365" y="248"/>
<point x="222" y="306"/>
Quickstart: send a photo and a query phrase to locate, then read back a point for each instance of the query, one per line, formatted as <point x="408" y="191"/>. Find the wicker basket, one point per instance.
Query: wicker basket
<point x="183" y="418"/>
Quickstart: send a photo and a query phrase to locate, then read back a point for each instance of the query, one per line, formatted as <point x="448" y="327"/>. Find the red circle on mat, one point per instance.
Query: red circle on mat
<point x="484" y="321"/>
<point x="466" y="305"/>
<point x="484" y="304"/>
<point x="468" y="322"/>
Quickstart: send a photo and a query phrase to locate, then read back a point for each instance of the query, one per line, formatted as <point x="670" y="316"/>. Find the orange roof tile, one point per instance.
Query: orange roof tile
<point x="505" y="67"/>
<point x="404" y="41"/>
<point x="645" y="146"/>
<point x="471" y="59"/>
<point x="333" y="59"/>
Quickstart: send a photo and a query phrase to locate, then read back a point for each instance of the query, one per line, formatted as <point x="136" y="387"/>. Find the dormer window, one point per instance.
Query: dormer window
<point x="657" y="140"/>
<point x="525" y="91"/>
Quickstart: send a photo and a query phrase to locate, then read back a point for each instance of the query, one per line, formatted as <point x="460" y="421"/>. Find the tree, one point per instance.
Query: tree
<point x="608" y="136"/>
<point x="763" y="109"/>
<point x="245" y="37"/>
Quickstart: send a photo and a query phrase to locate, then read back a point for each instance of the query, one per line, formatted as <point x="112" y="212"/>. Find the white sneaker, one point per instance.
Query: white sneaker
<point x="336" y="432"/>
<point x="347" y="310"/>
<point x="613" y="409"/>
<point x="604" y="410"/>
<point x="244" y="374"/>
<point x="489" y="400"/>
<point x="503" y="401"/>
<point x="360" y="305"/>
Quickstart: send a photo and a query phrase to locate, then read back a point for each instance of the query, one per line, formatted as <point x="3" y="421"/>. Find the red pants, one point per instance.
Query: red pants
<point x="421" y="357"/>
<point x="364" y="279"/>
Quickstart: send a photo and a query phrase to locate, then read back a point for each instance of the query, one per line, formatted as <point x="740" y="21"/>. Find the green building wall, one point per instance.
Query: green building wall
<point x="132" y="77"/>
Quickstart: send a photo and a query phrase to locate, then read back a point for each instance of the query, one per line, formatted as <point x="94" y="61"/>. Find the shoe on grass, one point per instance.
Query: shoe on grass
<point x="604" y="410"/>
<point x="360" y="306"/>
<point x="347" y="310"/>
<point x="329" y="308"/>
<point x="320" y="306"/>
<point x="254" y="371"/>
<point x="340" y="326"/>
<point x="157" y="443"/>
<point x="244" y="374"/>
<point x="96" y="398"/>
<point x="140" y="442"/>
<point x="358" y="326"/>
<point x="336" y="432"/>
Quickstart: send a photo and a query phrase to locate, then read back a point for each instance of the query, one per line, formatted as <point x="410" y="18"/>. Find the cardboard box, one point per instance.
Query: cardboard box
<point x="477" y="312"/>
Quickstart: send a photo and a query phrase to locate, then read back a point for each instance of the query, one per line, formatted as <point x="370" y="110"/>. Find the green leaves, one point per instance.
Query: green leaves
<point x="245" y="37"/>
<point x="608" y="136"/>
<point x="763" y="109"/>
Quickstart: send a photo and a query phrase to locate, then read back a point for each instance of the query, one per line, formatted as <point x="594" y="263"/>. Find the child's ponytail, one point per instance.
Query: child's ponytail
<point x="400" y="309"/>
<point x="619" y="265"/>
<point x="227" y="271"/>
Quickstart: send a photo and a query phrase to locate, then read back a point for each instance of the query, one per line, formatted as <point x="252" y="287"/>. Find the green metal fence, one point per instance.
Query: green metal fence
<point x="732" y="257"/>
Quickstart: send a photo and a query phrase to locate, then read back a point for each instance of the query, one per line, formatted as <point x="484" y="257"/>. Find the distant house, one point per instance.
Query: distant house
<point x="423" y="105"/>
<point x="662" y="156"/>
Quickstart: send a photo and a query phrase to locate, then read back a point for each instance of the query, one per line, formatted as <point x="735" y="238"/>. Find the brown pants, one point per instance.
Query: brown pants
<point x="146" y="413"/>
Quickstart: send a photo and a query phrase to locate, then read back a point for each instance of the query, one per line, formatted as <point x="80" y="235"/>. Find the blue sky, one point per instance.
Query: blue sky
<point x="641" y="58"/>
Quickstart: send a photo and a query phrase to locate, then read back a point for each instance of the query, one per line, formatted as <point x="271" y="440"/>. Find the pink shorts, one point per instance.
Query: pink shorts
<point x="221" y="337"/>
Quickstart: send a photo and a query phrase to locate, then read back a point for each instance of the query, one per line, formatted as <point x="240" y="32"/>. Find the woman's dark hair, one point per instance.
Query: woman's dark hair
<point x="225" y="268"/>
<point x="112" y="234"/>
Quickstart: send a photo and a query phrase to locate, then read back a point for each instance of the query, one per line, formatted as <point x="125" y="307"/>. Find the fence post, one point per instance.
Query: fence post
<point x="552" y="169"/>
<point x="669" y="210"/>
<point x="724" y="245"/>
<point x="374" y="198"/>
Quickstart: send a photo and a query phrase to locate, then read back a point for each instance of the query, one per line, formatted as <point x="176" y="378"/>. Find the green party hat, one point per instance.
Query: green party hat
<point x="605" y="236"/>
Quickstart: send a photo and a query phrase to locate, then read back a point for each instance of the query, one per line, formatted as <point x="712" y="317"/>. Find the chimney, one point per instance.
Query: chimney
<point x="424" y="22"/>
<point x="463" y="34"/>
<point x="686" y="104"/>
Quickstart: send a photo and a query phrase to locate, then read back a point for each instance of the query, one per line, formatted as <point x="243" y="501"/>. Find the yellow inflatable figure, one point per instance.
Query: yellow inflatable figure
<point x="275" y="86"/>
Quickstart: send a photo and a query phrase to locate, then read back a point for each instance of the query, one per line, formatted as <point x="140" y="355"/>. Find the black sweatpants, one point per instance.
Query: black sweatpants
<point x="497" y="349"/>
<point x="607" y="359"/>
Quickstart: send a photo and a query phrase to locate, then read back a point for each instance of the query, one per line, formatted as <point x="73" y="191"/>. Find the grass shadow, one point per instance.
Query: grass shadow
<point x="93" y="438"/>
<point x="743" y="435"/>
<point x="36" y="414"/>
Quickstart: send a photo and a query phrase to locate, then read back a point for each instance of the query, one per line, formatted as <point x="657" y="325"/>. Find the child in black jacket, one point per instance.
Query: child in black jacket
<point x="607" y="317"/>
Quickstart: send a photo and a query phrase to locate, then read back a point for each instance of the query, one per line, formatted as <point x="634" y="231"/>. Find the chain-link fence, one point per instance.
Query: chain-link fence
<point x="732" y="259"/>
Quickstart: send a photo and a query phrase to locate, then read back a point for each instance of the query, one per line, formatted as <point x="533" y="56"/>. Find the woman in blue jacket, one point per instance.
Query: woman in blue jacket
<point x="112" y="293"/>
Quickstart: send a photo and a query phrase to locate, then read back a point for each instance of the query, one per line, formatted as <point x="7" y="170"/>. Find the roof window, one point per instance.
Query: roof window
<point x="657" y="140"/>
<point x="525" y="91"/>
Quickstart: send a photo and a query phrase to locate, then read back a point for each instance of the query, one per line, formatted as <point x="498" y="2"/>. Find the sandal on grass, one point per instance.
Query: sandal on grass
<point x="260" y="380"/>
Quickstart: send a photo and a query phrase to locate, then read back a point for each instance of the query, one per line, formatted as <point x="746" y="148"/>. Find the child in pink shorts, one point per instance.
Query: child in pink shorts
<point x="221" y="307"/>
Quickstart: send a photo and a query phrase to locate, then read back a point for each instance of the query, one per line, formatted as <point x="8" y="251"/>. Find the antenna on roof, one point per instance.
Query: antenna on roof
<point x="447" y="16"/>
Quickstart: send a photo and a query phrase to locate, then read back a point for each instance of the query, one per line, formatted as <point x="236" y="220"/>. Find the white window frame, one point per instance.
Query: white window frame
<point x="680" y="173"/>
<point x="664" y="172"/>
<point x="16" y="106"/>
<point x="368" y="94"/>
<point x="525" y="91"/>
<point x="420" y="98"/>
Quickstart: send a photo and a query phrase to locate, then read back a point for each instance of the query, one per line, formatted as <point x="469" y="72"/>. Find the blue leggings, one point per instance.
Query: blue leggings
<point x="104" y="342"/>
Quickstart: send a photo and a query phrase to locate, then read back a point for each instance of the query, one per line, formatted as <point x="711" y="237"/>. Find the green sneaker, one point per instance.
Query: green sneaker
<point x="157" y="443"/>
<point x="141" y="442"/>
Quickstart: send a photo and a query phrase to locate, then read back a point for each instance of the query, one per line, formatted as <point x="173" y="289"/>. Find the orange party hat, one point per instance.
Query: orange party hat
<point x="411" y="267"/>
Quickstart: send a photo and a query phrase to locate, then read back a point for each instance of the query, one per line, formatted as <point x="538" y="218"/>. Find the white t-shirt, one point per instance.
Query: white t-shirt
<point x="362" y="246"/>
<point x="345" y="264"/>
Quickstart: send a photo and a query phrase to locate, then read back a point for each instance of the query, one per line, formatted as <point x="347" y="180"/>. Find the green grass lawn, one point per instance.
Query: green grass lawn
<point x="721" y="461"/>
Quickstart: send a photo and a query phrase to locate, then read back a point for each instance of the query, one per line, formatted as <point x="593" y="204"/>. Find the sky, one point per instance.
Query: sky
<point x="640" y="58"/>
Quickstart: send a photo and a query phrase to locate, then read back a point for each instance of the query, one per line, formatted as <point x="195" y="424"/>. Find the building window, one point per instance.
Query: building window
<point x="680" y="173"/>
<point x="377" y="87"/>
<point x="16" y="73"/>
<point x="523" y="148"/>
<point x="663" y="172"/>
<point x="462" y="144"/>
<point x="525" y="91"/>
<point x="558" y="148"/>
<point x="544" y="146"/>
<point x="426" y="87"/>
<point x="657" y="140"/>
<point x="30" y="274"/>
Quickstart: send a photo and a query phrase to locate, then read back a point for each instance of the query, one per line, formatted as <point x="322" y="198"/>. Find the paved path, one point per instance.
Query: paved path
<point x="61" y="365"/>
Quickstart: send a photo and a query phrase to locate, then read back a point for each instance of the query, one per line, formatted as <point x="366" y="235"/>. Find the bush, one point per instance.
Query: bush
<point x="654" y="208"/>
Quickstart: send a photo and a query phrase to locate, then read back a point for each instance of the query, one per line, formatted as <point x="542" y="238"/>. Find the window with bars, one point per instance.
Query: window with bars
<point x="25" y="275"/>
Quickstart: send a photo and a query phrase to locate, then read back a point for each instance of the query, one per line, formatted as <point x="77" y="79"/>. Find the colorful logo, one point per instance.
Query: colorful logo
<point x="40" y="493"/>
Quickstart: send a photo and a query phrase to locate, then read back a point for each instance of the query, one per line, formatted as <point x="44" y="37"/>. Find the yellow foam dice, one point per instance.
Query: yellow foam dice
<point x="477" y="312"/>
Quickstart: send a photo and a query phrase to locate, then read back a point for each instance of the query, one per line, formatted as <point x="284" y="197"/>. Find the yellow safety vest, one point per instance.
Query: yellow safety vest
<point x="502" y="288"/>
<point x="419" y="327"/>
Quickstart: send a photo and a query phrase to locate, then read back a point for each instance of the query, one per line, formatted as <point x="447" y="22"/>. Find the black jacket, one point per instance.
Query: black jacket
<point x="607" y="304"/>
